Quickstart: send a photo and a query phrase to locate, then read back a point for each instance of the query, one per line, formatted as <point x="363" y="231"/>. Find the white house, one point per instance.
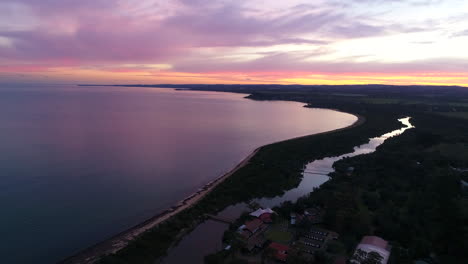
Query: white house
<point x="371" y="244"/>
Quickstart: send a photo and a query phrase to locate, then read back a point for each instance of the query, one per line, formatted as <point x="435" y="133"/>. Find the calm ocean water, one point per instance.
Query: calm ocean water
<point x="80" y="164"/>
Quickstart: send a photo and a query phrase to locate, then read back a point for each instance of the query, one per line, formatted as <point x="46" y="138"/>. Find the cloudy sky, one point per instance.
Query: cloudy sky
<point x="234" y="41"/>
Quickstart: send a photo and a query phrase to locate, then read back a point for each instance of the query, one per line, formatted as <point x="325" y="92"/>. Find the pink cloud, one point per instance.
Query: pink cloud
<point x="105" y="32"/>
<point x="102" y="33"/>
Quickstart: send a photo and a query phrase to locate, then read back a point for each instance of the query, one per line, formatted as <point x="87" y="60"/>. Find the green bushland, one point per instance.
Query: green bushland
<point x="405" y="192"/>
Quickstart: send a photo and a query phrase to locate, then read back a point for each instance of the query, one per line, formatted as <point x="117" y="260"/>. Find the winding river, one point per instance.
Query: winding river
<point x="206" y="238"/>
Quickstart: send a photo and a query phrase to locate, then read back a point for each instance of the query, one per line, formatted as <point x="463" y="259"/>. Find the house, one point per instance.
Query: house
<point x="371" y="245"/>
<point x="293" y="218"/>
<point x="280" y="251"/>
<point x="254" y="225"/>
<point x="255" y="242"/>
<point x="250" y="228"/>
<point x="264" y="214"/>
<point x="261" y="211"/>
<point x="266" y="218"/>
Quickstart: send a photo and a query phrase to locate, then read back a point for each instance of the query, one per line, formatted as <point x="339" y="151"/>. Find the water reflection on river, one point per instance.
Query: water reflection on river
<point x="206" y="238"/>
<point x="316" y="172"/>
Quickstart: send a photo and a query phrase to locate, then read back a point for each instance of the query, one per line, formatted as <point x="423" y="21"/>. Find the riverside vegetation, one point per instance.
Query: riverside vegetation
<point x="409" y="191"/>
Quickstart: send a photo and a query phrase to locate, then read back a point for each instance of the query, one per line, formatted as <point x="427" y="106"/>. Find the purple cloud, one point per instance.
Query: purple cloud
<point x="297" y="62"/>
<point x="101" y="32"/>
<point x="104" y="32"/>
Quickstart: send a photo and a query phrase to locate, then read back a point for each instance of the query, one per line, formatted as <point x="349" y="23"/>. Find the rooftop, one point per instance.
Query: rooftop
<point x="375" y="241"/>
<point x="279" y="247"/>
<point x="253" y="225"/>
<point x="281" y="251"/>
<point x="266" y="217"/>
<point x="261" y="211"/>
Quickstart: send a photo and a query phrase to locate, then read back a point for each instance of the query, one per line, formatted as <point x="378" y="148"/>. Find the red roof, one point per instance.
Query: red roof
<point x="281" y="250"/>
<point x="281" y="256"/>
<point x="279" y="247"/>
<point x="266" y="217"/>
<point x="374" y="241"/>
<point x="253" y="225"/>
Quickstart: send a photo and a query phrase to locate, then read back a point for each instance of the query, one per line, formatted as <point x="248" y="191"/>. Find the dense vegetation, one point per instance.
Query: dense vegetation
<point x="406" y="192"/>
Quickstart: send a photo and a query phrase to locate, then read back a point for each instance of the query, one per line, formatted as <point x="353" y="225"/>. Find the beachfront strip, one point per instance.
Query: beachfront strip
<point x="264" y="236"/>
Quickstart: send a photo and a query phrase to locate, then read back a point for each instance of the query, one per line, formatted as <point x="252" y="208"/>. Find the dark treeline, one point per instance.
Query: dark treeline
<point x="361" y="88"/>
<point x="404" y="192"/>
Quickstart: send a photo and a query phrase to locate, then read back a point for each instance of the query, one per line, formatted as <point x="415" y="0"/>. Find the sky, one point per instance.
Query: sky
<point x="234" y="41"/>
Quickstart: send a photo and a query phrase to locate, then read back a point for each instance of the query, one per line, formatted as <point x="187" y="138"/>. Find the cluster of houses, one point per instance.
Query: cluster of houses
<point x="306" y="242"/>
<point x="262" y="217"/>
<point x="252" y="231"/>
<point x="315" y="240"/>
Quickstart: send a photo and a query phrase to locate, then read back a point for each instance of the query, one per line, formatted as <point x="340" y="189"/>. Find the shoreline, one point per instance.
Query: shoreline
<point x="119" y="241"/>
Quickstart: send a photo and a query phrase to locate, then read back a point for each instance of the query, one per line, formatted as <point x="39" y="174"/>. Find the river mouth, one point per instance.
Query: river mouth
<point x="194" y="246"/>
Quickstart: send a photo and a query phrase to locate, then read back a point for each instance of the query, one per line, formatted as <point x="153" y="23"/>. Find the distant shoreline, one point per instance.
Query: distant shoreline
<point x="121" y="240"/>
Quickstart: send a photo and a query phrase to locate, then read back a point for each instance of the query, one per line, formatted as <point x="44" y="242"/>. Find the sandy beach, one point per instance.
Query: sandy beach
<point x="121" y="240"/>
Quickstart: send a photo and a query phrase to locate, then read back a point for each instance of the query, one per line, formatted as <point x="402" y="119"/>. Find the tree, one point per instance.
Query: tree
<point x="252" y="205"/>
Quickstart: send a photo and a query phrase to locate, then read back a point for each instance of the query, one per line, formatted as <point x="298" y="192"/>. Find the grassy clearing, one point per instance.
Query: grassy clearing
<point x="279" y="236"/>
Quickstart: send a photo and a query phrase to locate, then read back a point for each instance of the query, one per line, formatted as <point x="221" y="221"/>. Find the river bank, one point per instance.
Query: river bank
<point x="315" y="174"/>
<point x="121" y="240"/>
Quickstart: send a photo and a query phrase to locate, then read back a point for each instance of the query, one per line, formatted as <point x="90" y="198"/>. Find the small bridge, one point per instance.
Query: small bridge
<point x="316" y="172"/>
<point x="219" y="218"/>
